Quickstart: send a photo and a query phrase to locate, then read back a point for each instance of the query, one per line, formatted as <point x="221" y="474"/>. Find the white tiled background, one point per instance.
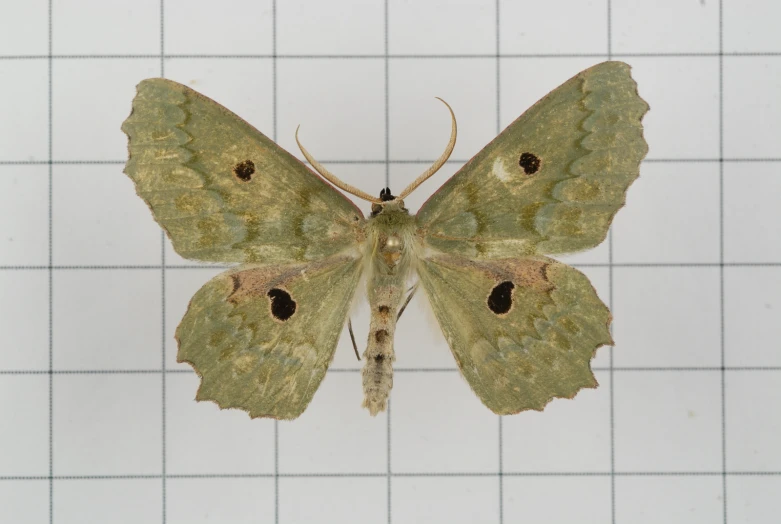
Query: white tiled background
<point x="97" y="421"/>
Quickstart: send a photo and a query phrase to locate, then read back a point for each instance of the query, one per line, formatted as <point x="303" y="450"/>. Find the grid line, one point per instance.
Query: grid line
<point x="77" y="267"/>
<point x="478" y="56"/>
<point x="611" y="366"/>
<point x="621" y="369"/>
<point x="386" y="68"/>
<point x="442" y="474"/>
<point x="392" y="161"/>
<point x="498" y="130"/>
<point x="274" y="121"/>
<point x="163" y="421"/>
<point x="50" y="218"/>
<point x="722" y="344"/>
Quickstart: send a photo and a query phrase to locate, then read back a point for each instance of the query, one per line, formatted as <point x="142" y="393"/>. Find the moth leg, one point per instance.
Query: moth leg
<point x="409" y="297"/>
<point x="352" y="337"/>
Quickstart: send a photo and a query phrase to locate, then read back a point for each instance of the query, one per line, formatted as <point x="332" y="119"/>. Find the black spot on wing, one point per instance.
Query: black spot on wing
<point x="282" y="304"/>
<point x="530" y="163"/>
<point x="501" y="298"/>
<point x="244" y="170"/>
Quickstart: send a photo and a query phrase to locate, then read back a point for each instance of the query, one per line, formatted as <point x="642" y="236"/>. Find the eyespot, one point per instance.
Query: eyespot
<point x="530" y="163"/>
<point x="244" y="170"/>
<point x="282" y="304"/>
<point x="500" y="301"/>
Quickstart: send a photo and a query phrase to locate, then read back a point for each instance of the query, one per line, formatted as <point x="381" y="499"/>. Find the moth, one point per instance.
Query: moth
<point x="522" y="327"/>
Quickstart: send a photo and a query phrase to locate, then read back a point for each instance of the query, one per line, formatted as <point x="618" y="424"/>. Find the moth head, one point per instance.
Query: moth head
<point x="388" y="203"/>
<point x="381" y="203"/>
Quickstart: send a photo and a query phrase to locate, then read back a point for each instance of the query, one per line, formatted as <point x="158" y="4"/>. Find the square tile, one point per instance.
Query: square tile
<point x="752" y="498"/>
<point x="202" y="439"/>
<point x="181" y="284"/>
<point x="752" y="301"/>
<point x="315" y="443"/>
<point x="427" y="405"/>
<point x="209" y="500"/>
<point x="597" y="255"/>
<point x="24" y="403"/>
<point x="569" y="436"/>
<point x="369" y="177"/>
<point x="419" y="124"/>
<point x="752" y="217"/>
<point x="116" y="228"/>
<point x="24" y="28"/>
<point x="454" y="500"/>
<point x="450" y="28"/>
<point x="342" y="114"/>
<point x="107" y="424"/>
<point x="679" y="500"/>
<point x="524" y="81"/>
<point x="91" y="99"/>
<point x="667" y="421"/>
<point x="667" y="316"/>
<point x="116" y="324"/>
<point x="24" y="128"/>
<point x="235" y="27"/>
<point x="549" y="73"/>
<point x="402" y="174"/>
<point x="600" y="280"/>
<point x="749" y="26"/>
<point x="92" y="27"/>
<point x="664" y="226"/>
<point x="322" y="499"/>
<point x="753" y="420"/>
<point x="24" y="215"/>
<point x="683" y="93"/>
<point x="24" y="308"/>
<point x="120" y="501"/>
<point x="554" y="500"/>
<point x="24" y="502"/>
<point x="344" y="355"/>
<point x="350" y="27"/>
<point x="752" y="107"/>
<point x="419" y="342"/>
<point x="668" y="26"/>
<point x="252" y="99"/>
<point x="553" y="27"/>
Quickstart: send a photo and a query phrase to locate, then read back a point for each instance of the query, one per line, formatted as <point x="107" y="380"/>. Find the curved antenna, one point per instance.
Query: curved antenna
<point x="440" y="161"/>
<point x="332" y="178"/>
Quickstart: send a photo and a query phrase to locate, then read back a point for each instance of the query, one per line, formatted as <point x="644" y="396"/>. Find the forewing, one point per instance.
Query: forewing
<point x="552" y="181"/>
<point x="262" y="338"/>
<point x="522" y="331"/>
<point x="222" y="190"/>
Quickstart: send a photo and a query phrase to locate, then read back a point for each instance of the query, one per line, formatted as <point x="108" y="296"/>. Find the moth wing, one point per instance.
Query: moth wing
<point x="522" y="331"/>
<point x="261" y="338"/>
<point x="552" y="181"/>
<point x="222" y="190"/>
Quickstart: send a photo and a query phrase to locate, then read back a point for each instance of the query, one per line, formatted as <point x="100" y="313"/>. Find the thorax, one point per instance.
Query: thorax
<point x="390" y="235"/>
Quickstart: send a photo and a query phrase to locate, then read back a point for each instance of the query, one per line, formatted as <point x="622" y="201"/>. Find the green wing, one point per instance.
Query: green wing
<point x="522" y="331"/>
<point x="262" y="338"/>
<point x="222" y="190"/>
<point x="552" y="181"/>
